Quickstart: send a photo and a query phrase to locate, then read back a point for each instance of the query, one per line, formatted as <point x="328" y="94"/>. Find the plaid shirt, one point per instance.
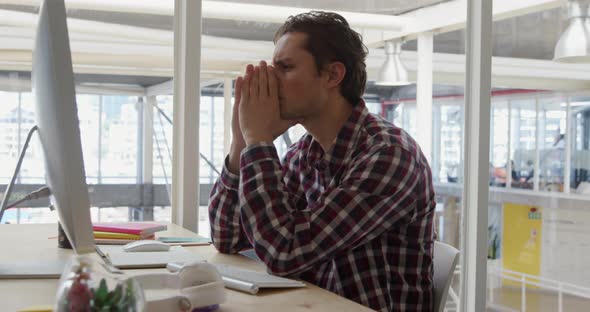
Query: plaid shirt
<point x="357" y="220"/>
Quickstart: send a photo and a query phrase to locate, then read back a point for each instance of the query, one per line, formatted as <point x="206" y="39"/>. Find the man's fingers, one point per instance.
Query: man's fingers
<point x="263" y="80"/>
<point x="273" y="90"/>
<point x="238" y="91"/>
<point x="254" y="92"/>
<point x="245" y="94"/>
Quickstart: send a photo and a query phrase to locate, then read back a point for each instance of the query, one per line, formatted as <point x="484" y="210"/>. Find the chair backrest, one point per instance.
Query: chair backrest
<point x="445" y="260"/>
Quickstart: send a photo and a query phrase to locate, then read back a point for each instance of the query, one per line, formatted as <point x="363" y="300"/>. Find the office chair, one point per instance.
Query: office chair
<point x="445" y="260"/>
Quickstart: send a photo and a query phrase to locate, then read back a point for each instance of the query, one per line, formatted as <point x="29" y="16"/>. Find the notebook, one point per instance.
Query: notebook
<point x="152" y="259"/>
<point x="117" y="241"/>
<point x="99" y="234"/>
<point x="137" y="228"/>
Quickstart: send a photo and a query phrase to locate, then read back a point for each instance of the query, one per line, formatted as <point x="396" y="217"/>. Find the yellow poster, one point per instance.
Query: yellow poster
<point x="521" y="240"/>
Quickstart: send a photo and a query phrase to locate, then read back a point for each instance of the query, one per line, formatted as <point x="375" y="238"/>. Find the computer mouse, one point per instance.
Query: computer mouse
<point x="146" y="245"/>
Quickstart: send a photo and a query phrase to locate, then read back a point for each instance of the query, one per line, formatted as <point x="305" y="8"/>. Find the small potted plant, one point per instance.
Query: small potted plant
<point x="83" y="289"/>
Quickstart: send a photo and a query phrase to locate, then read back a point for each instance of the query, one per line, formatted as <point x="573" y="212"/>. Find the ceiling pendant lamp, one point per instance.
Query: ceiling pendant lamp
<point x="393" y="72"/>
<point x="574" y="44"/>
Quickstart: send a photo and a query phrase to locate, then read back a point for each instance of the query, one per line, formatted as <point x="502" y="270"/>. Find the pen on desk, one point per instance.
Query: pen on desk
<point x="103" y="255"/>
<point x="237" y="284"/>
<point x="108" y="265"/>
<point x="99" y="252"/>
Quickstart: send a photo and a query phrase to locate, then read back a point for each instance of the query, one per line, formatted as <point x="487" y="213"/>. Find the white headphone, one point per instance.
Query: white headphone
<point x="196" y="286"/>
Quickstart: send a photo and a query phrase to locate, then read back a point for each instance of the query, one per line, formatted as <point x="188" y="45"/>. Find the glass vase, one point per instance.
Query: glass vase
<point x="86" y="286"/>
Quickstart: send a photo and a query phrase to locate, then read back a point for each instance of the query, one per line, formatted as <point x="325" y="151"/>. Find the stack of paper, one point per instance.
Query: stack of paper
<point x="125" y="232"/>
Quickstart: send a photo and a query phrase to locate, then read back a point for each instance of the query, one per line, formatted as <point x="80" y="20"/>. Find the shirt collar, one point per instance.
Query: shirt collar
<point x="344" y="142"/>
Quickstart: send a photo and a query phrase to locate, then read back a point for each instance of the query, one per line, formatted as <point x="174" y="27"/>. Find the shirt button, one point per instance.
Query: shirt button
<point x="320" y="166"/>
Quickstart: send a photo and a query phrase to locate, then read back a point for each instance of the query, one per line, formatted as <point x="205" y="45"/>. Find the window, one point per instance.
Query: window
<point x="450" y="139"/>
<point x="523" y="141"/>
<point x="552" y="119"/>
<point x="119" y="140"/>
<point x="10" y="134"/>
<point x="162" y="136"/>
<point x="89" y="116"/>
<point x="580" y="132"/>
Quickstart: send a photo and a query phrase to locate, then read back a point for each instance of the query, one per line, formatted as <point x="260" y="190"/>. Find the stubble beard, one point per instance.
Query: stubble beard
<point x="291" y="115"/>
<point x="286" y="114"/>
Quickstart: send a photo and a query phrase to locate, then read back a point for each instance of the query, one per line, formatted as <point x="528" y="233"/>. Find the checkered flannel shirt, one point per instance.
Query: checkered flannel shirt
<point x="356" y="220"/>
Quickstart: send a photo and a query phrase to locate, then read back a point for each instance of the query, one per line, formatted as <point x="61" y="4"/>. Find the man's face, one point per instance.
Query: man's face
<point x="300" y="85"/>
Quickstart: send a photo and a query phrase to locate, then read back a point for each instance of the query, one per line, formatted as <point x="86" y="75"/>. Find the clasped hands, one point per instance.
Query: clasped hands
<point x="257" y="99"/>
<point x="256" y="113"/>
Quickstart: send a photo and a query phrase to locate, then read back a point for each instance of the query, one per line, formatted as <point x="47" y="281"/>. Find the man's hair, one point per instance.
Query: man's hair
<point x="330" y="39"/>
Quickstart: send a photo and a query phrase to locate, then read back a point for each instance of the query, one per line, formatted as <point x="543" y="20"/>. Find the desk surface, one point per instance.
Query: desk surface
<point x="38" y="241"/>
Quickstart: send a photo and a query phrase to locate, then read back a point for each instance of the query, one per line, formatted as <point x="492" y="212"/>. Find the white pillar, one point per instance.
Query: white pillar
<point x="477" y="144"/>
<point x="187" y="90"/>
<point x="227" y="111"/>
<point x="538" y="146"/>
<point x="509" y="148"/>
<point x="148" y="139"/>
<point x="424" y="94"/>
<point x="435" y="164"/>
<point x="568" y="147"/>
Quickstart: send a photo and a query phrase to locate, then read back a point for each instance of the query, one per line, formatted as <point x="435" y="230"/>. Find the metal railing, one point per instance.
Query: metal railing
<point x="560" y="289"/>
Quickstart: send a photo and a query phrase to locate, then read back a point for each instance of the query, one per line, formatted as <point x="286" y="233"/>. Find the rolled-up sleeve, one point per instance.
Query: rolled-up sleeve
<point x="224" y="214"/>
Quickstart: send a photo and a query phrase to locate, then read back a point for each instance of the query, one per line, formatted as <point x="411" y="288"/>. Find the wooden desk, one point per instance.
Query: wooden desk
<point x="38" y="241"/>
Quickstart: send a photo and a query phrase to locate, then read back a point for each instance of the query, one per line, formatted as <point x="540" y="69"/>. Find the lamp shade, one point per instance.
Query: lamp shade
<point x="393" y="72"/>
<point x="574" y="44"/>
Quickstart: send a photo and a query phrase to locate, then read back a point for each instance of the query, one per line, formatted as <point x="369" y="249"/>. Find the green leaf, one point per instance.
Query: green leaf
<point x="101" y="294"/>
<point x="122" y="298"/>
<point x="117" y="294"/>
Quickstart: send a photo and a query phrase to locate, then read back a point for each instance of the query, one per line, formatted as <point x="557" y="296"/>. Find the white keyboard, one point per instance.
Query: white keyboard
<point x="246" y="280"/>
<point x="262" y="279"/>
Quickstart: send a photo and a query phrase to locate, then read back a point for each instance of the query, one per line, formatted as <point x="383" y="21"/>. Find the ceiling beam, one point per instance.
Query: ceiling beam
<point x="29" y="20"/>
<point x="19" y="25"/>
<point x="222" y="62"/>
<point x="24" y="85"/>
<point x="106" y="48"/>
<point x="452" y="15"/>
<point x="166" y="87"/>
<point x="219" y="10"/>
<point x="506" y="72"/>
<point x="375" y="28"/>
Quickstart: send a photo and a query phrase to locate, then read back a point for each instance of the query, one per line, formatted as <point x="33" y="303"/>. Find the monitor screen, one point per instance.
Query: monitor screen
<point x="57" y="119"/>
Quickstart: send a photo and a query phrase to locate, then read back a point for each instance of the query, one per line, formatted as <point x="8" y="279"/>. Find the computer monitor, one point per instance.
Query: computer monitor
<point x="57" y="119"/>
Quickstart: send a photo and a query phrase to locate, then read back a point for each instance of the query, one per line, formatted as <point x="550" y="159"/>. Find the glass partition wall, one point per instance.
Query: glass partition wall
<point x="537" y="222"/>
<point x="539" y="184"/>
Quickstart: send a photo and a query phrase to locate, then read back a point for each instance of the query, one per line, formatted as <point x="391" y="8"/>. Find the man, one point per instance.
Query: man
<point x="351" y="206"/>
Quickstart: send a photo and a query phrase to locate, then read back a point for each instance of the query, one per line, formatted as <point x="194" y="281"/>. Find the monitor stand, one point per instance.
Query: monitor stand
<point x="22" y="269"/>
<point x="10" y="185"/>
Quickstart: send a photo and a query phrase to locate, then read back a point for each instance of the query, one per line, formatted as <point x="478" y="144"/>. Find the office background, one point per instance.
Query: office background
<point x="539" y="189"/>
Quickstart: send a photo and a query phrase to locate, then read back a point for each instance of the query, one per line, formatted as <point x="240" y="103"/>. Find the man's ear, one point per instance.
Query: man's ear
<point x="336" y="72"/>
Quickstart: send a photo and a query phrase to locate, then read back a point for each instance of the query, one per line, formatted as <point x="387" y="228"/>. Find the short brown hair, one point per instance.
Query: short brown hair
<point x="330" y="39"/>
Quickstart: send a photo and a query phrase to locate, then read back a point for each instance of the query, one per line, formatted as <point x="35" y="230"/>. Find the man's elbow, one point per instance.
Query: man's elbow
<point x="225" y="248"/>
<point x="229" y="247"/>
<point x="278" y="267"/>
